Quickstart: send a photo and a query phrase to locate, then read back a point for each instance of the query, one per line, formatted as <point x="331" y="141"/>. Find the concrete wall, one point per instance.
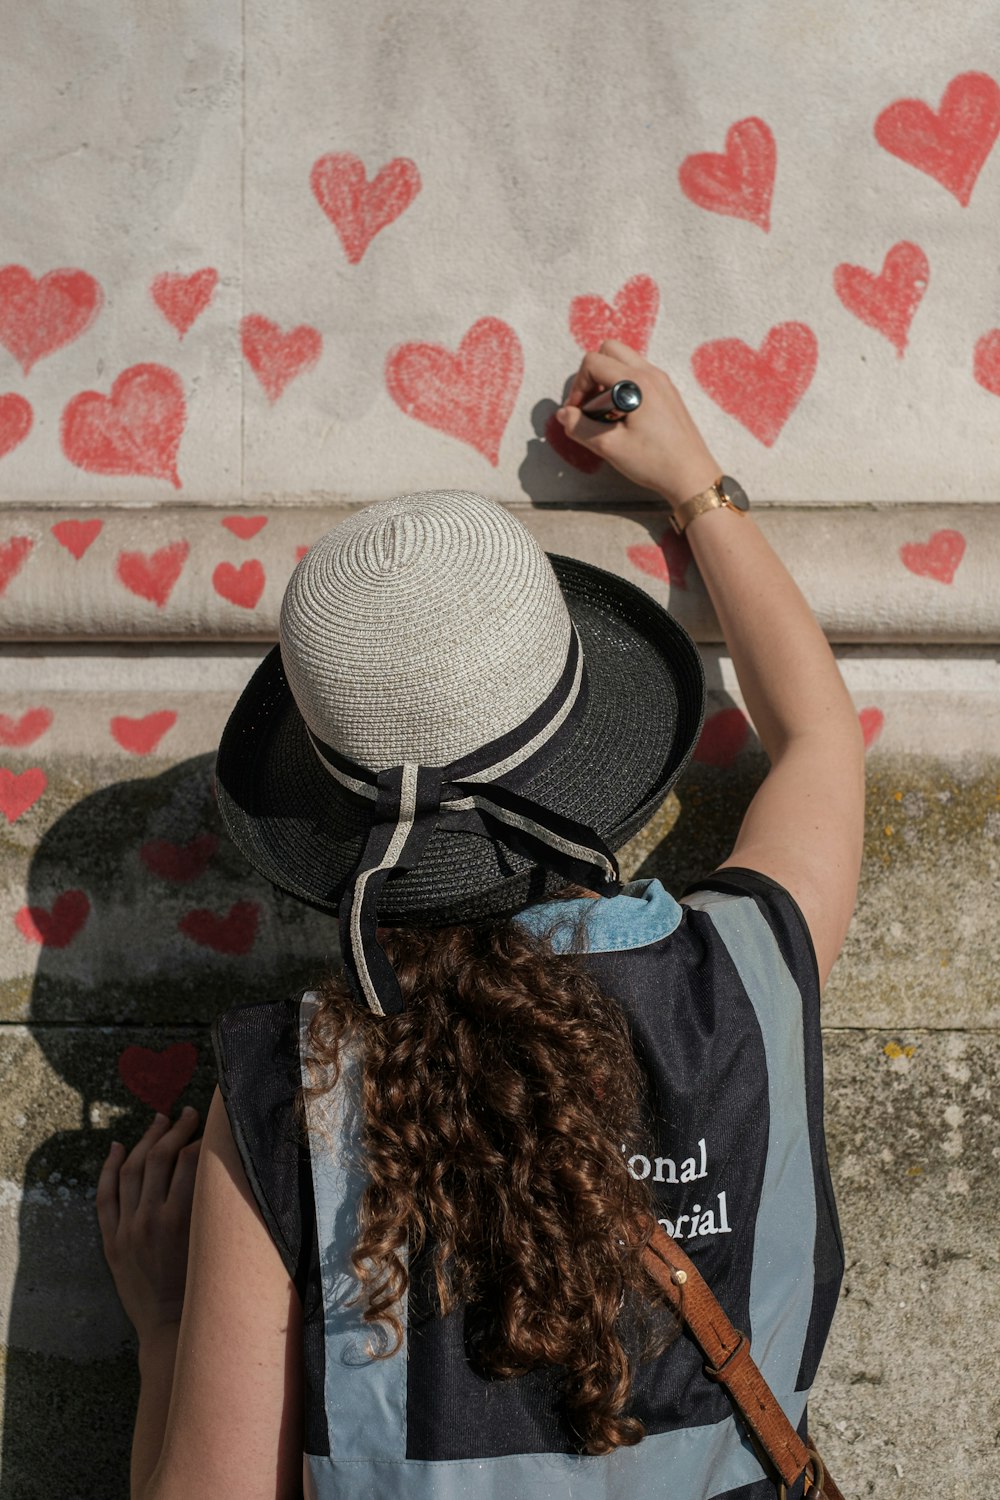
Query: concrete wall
<point x="261" y="265"/>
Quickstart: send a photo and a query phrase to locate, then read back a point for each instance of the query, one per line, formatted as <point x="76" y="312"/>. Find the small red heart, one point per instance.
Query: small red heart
<point x="276" y="357"/>
<point x="300" y="552"/>
<point x="20" y="790"/>
<point x="568" y="448"/>
<point x="951" y="145"/>
<point x="243" y="585"/>
<point x="233" y="933"/>
<point x="889" y="300"/>
<point x="179" y="862"/>
<point x="938" y="558"/>
<point x="723" y="736"/>
<point x="16" y="418"/>
<point x="760" y="389"/>
<point x="469" y="395"/>
<point x="668" y="560"/>
<point x="25" y="730"/>
<point x="356" y="208"/>
<point x="140" y="736"/>
<point x="739" y="180"/>
<point x="630" y="319"/>
<point x="38" y="317"/>
<point x="244" y="526"/>
<point x="986" y="362"/>
<point x="135" y="430"/>
<point x="57" y="927"/>
<point x="157" y="1078"/>
<point x="76" y="536"/>
<point x="871" y="721"/>
<point x="12" y="555"/>
<point x="152" y="575"/>
<point x="181" y="299"/>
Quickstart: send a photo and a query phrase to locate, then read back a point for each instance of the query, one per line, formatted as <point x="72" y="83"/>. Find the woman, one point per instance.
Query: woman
<point x="438" y="1236"/>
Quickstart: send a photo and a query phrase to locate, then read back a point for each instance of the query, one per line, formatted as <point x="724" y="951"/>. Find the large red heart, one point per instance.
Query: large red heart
<point x="243" y="585"/>
<point x="20" y="790"/>
<point x="141" y="736"/>
<point x="356" y="208"/>
<point x="951" y="145"/>
<point x="889" y="300"/>
<point x="630" y="319"/>
<point x="722" y="737"/>
<point x="244" y="526"/>
<point x="179" y="862"/>
<point x="55" y="927"/>
<point x="16" y="417"/>
<point x="152" y="575"/>
<point x="760" y="389"/>
<point x="233" y="933"/>
<point x="181" y="299"/>
<point x="469" y="395"/>
<point x="668" y="560"/>
<point x="12" y="555"/>
<point x="938" y="558"/>
<point x="76" y="536"/>
<point x="986" y="361"/>
<point x="738" y="181"/>
<point x="156" y="1078"/>
<point x="38" y="317"/>
<point x="276" y="357"/>
<point x="871" y="721"/>
<point x="25" y="730"/>
<point x="135" y="430"/>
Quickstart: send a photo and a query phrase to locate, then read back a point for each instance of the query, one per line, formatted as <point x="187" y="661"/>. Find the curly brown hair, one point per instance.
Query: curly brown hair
<point x="499" y="1109"/>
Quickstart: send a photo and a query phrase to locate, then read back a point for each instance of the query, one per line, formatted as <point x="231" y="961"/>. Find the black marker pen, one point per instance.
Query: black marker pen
<point x="614" y="404"/>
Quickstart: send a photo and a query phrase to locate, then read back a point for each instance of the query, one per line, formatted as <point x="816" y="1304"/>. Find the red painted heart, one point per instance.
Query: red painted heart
<point x="871" y="721"/>
<point x="179" y="862"/>
<point x="234" y="933"/>
<point x="629" y="319"/>
<point x="738" y="181"/>
<point x="76" y="536"/>
<point x="182" y="299"/>
<point x="951" y="145"/>
<point x="243" y="585"/>
<point x="157" y="1078"/>
<point x="573" y="452"/>
<point x="16" y="417"/>
<point x="300" y="552"/>
<point x="12" y="556"/>
<point x="986" y="362"/>
<point x="39" y="317"/>
<point x="20" y="790"/>
<point x="760" y="389"/>
<point x="938" y="558"/>
<point x="135" y="430"/>
<point x="669" y="560"/>
<point x="142" y="735"/>
<point x="25" y="730"/>
<point x="359" y="209"/>
<point x="244" y="527"/>
<point x="55" y="927"/>
<point x="469" y="395"/>
<point x="276" y="357"/>
<point x="886" y="301"/>
<point x="152" y="575"/>
<point x="722" y="737"/>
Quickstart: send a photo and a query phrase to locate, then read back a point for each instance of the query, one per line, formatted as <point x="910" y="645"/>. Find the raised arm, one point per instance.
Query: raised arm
<point x="805" y="824"/>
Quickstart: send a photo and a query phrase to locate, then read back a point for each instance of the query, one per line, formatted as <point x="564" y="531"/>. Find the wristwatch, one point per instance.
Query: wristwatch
<point x="725" y="491"/>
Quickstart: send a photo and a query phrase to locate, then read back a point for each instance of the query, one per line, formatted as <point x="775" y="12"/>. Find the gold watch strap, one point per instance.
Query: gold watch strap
<point x="708" y="499"/>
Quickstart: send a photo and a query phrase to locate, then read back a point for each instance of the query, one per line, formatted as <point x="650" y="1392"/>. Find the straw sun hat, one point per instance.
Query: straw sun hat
<point x="453" y="725"/>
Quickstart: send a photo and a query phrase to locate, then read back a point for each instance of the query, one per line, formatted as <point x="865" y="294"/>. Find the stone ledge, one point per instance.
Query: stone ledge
<point x="179" y="572"/>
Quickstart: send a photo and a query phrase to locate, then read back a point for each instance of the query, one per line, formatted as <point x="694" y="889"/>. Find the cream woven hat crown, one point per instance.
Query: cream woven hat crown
<point x="454" y="724"/>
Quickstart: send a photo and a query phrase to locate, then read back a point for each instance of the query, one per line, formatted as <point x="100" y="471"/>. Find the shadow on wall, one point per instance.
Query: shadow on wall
<point x="168" y="927"/>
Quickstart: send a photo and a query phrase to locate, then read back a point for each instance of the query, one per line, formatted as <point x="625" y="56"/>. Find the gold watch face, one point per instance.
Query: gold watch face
<point x="734" y="492"/>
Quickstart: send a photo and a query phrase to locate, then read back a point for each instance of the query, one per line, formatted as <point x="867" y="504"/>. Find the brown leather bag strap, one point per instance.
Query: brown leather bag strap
<point x="727" y="1360"/>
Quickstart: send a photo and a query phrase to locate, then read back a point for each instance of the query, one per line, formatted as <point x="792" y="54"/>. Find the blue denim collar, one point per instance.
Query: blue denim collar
<point x="642" y="912"/>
